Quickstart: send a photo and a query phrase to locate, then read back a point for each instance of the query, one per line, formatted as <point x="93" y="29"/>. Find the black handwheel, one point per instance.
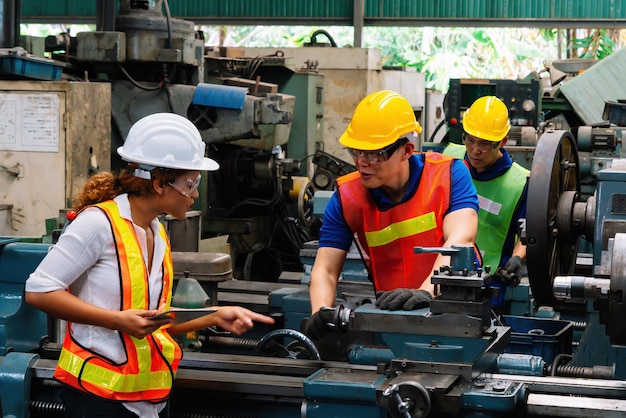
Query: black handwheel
<point x="553" y="187"/>
<point x="305" y="204"/>
<point x="288" y="343"/>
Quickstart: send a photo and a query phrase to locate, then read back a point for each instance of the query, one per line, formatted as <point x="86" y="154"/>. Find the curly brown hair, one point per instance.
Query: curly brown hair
<point x="105" y="185"/>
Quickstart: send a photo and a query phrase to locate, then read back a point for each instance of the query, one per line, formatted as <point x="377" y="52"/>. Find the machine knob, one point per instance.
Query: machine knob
<point x="528" y="106"/>
<point x="322" y="179"/>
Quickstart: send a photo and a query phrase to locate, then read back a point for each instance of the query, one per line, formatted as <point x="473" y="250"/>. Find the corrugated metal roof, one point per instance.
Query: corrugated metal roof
<point x="513" y="12"/>
<point x="588" y="91"/>
<point x="398" y="12"/>
<point x="273" y="8"/>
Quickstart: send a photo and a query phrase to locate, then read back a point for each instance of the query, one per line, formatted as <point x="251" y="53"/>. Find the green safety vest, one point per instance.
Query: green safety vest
<point x="496" y="208"/>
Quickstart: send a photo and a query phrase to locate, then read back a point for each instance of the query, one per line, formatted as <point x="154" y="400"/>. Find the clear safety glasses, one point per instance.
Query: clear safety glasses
<point x="480" y="144"/>
<point x="185" y="185"/>
<point x="377" y="156"/>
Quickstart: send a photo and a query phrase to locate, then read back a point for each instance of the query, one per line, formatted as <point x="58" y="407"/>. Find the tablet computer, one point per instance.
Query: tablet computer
<point x="180" y="315"/>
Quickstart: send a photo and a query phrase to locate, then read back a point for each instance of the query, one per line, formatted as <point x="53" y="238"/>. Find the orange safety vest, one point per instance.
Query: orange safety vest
<point x="148" y="374"/>
<point x="389" y="236"/>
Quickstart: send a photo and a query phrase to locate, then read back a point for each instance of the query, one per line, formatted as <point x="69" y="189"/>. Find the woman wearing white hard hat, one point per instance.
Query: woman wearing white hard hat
<point x="111" y="270"/>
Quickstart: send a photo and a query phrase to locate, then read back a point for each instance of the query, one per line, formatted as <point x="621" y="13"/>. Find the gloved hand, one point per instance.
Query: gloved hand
<point x="319" y="323"/>
<point x="407" y="299"/>
<point x="514" y="266"/>
<point x="511" y="273"/>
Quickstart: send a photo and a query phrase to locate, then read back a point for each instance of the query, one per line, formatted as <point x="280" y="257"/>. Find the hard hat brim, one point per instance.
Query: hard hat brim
<point x="206" y="164"/>
<point x="350" y="141"/>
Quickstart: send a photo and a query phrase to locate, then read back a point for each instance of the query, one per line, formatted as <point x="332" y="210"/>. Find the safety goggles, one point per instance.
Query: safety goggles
<point x="378" y="156"/>
<point x="480" y="144"/>
<point x="185" y="185"/>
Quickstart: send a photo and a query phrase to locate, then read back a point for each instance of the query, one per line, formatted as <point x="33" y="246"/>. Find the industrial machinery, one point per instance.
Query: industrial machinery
<point x="458" y="359"/>
<point x="562" y="357"/>
<point x="523" y="98"/>
<point x="538" y="104"/>
<point x="454" y="359"/>
<point x="149" y="62"/>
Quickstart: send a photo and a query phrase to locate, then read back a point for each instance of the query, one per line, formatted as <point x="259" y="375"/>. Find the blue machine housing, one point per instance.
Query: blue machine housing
<point x="21" y="326"/>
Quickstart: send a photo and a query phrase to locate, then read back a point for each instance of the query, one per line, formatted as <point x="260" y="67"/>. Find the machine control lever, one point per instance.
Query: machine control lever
<point x="403" y="405"/>
<point x="461" y="256"/>
<point x="341" y="317"/>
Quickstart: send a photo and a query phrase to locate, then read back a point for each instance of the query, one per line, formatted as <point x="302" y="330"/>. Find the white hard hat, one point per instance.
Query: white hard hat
<point x="166" y="140"/>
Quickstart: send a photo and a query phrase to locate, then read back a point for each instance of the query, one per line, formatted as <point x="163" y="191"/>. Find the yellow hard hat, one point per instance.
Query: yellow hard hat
<point x="379" y="120"/>
<point x="487" y="118"/>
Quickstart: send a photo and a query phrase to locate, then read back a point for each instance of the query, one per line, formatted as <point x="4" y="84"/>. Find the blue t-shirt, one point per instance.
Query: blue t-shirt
<point x="335" y="232"/>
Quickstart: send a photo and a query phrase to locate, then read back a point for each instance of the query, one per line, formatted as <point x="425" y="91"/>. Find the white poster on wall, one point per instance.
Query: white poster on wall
<point x="29" y="122"/>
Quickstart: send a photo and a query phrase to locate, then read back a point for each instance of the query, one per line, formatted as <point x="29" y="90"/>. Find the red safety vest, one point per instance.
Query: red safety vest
<point x="389" y="236"/>
<point x="148" y="374"/>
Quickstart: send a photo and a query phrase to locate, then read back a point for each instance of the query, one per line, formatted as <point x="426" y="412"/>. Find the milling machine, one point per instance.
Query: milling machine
<point x="144" y="61"/>
<point x="454" y="359"/>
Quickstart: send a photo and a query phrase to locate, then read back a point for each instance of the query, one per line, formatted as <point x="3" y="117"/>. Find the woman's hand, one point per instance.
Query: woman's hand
<point x="135" y="322"/>
<point x="238" y="320"/>
<point x="62" y="304"/>
<point x="233" y="319"/>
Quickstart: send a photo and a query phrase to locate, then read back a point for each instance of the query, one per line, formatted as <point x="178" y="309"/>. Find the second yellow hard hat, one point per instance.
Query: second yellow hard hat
<point x="487" y="118"/>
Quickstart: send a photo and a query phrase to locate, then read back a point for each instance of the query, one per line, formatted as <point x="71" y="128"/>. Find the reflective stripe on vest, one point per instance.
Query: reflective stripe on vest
<point x="389" y="236"/>
<point x="489" y="205"/>
<point x="148" y="374"/>
<point x="403" y="229"/>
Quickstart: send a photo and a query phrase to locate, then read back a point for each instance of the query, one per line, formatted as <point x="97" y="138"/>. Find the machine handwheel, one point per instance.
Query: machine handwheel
<point x="305" y="204"/>
<point x="288" y="343"/>
<point x="406" y="399"/>
<point x="554" y="177"/>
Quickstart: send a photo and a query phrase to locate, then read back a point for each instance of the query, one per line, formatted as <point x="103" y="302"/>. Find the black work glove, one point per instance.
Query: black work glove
<point x="319" y="323"/>
<point x="514" y="266"/>
<point x="511" y="273"/>
<point x="407" y="299"/>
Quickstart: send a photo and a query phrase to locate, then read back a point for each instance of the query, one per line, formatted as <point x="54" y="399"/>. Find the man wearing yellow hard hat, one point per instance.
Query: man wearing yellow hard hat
<point x="394" y="201"/>
<point x="502" y="188"/>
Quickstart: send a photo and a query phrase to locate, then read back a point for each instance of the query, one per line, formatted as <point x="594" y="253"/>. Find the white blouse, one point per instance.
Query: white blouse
<point x="84" y="260"/>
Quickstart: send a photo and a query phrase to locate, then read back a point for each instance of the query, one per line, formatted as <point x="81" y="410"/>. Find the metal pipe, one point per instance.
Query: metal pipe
<point x="600" y="388"/>
<point x="573" y="407"/>
<point x="10" y="20"/>
<point x="105" y="18"/>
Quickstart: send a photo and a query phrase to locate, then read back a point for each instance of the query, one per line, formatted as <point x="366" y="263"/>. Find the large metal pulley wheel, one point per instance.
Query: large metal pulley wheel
<point x="553" y="192"/>
<point x="288" y="343"/>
